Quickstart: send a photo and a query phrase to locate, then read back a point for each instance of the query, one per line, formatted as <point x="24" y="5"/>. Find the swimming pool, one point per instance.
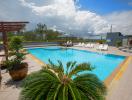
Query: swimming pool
<point x="104" y="64"/>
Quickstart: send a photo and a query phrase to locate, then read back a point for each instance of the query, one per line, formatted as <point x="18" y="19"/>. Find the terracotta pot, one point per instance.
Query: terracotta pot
<point x="20" y="73"/>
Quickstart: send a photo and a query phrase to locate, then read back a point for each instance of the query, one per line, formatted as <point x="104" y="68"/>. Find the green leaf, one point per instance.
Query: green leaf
<point x="69" y="67"/>
<point x="80" y="68"/>
<point x="72" y="92"/>
<point x="53" y="91"/>
<point x="65" y="92"/>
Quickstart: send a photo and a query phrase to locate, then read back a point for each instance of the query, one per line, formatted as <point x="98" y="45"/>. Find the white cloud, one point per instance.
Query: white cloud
<point x="63" y="15"/>
<point x="57" y="7"/>
<point x="122" y="21"/>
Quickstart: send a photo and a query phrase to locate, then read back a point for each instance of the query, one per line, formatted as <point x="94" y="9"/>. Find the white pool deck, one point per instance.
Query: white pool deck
<point x="121" y="90"/>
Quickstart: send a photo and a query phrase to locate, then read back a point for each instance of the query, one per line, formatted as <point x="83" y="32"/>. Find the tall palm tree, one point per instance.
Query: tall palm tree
<point x="55" y="83"/>
<point x="41" y="30"/>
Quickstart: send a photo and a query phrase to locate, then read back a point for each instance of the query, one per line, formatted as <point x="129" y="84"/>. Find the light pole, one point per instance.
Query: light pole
<point x="111" y="27"/>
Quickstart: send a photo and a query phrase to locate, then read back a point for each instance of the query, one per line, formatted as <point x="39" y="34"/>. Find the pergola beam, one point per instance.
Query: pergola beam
<point x="12" y="24"/>
<point x="10" y="27"/>
<point x="18" y="22"/>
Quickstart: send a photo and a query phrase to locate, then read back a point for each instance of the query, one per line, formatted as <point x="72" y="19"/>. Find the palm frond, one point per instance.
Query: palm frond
<point x="37" y="82"/>
<point x="60" y="66"/>
<point x="90" y="84"/>
<point x="60" y="93"/>
<point x="74" y="92"/>
<point x="53" y="91"/>
<point x="80" y="68"/>
<point x="51" y="64"/>
<point x="70" y="66"/>
<point x="65" y="92"/>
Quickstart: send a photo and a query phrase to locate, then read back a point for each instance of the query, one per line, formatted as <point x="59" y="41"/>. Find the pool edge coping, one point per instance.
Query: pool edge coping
<point x="118" y="72"/>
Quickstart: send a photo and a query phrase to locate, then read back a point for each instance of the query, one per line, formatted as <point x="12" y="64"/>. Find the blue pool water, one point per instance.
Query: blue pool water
<point x="104" y="63"/>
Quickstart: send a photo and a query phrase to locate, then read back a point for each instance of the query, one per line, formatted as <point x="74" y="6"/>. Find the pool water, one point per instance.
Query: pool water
<point x="104" y="63"/>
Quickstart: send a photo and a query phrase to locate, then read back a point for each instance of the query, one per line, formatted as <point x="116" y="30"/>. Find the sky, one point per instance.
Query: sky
<point x="79" y="17"/>
<point x="106" y="6"/>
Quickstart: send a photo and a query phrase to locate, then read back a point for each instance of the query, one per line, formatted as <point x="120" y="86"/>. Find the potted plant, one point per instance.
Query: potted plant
<point x="15" y="65"/>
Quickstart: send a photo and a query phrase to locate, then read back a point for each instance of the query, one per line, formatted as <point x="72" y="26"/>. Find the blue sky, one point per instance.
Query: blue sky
<point x="105" y="6"/>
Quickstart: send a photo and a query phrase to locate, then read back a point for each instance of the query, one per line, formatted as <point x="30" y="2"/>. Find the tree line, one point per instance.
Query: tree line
<point x="40" y="33"/>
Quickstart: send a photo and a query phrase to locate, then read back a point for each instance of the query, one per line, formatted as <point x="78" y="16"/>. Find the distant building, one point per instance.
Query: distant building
<point x="113" y="37"/>
<point x="96" y="37"/>
<point x="127" y="40"/>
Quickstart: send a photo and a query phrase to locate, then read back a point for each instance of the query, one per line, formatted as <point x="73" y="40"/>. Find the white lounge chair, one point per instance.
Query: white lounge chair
<point x="70" y="43"/>
<point x="99" y="47"/>
<point x="82" y="44"/>
<point x="67" y="42"/>
<point x="92" y="45"/>
<point x="87" y="45"/>
<point x="105" y="47"/>
<point x="78" y="45"/>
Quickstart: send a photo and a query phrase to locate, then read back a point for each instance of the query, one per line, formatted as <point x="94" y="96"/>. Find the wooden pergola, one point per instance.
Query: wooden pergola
<point x="9" y="27"/>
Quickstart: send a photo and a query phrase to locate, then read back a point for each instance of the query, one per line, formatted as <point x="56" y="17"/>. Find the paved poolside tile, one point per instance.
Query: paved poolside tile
<point x="10" y="90"/>
<point x="122" y="89"/>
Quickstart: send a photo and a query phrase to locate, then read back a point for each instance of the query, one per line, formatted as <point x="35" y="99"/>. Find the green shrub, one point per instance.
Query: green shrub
<point x="15" y="53"/>
<point x="101" y="41"/>
<point x="118" y="43"/>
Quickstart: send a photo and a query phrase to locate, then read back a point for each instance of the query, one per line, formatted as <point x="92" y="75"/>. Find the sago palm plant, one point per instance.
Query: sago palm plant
<point x="55" y="83"/>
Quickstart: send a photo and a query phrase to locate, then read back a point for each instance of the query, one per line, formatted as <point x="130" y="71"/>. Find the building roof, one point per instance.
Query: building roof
<point x="114" y="33"/>
<point x="128" y="36"/>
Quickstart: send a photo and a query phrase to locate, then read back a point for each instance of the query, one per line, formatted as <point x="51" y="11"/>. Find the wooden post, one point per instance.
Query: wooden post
<point x="0" y="77"/>
<point x="4" y="34"/>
